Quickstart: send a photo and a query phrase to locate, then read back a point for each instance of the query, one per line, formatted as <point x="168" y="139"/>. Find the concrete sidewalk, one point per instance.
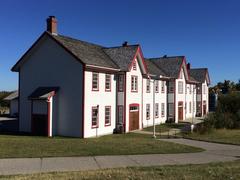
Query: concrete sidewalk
<point x="214" y="153"/>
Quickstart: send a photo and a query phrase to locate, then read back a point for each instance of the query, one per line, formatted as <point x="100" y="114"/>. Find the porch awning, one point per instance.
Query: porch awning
<point x="43" y="92"/>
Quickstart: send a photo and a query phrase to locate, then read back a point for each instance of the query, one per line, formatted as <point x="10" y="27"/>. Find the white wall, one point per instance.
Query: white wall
<point x="133" y="97"/>
<point x="190" y="97"/>
<point x="102" y="99"/>
<point x="205" y="96"/>
<point x="148" y="99"/>
<point x="180" y="97"/>
<point x="51" y="65"/>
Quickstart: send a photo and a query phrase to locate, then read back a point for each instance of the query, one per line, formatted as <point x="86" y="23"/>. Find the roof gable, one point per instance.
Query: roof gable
<point x="84" y="52"/>
<point x="171" y="66"/>
<point x="200" y="74"/>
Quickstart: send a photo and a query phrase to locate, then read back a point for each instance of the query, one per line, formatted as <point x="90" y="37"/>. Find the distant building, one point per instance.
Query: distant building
<point x="13" y="99"/>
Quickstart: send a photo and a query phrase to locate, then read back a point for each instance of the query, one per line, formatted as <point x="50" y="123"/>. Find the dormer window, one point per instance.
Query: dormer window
<point x="134" y="65"/>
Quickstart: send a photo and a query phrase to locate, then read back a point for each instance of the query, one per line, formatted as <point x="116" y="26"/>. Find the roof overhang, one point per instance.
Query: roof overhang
<point x="43" y="93"/>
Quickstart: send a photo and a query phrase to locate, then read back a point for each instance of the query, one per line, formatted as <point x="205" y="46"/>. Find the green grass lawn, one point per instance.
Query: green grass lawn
<point x="220" y="135"/>
<point x="219" y="171"/>
<point x="165" y="127"/>
<point x="117" y="144"/>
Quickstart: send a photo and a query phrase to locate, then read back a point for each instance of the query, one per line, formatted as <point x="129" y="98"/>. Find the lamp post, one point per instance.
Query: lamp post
<point x="154" y="128"/>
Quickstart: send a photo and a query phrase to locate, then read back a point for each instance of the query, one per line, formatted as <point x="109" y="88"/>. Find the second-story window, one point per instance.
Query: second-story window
<point x="134" y="65"/>
<point x="180" y="87"/>
<point x="156" y="86"/>
<point x="120" y="82"/>
<point x="171" y="87"/>
<point x="148" y="86"/>
<point x="134" y="83"/>
<point x="162" y="86"/>
<point x="95" y="79"/>
<point x="107" y="82"/>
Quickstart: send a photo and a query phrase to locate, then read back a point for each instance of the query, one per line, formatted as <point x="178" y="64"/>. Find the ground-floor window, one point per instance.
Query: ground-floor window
<point x="156" y="110"/>
<point x="107" y="115"/>
<point x="163" y="110"/>
<point x="94" y="117"/>
<point x="120" y="114"/>
<point x="147" y="111"/>
<point x="190" y="107"/>
<point x="170" y="109"/>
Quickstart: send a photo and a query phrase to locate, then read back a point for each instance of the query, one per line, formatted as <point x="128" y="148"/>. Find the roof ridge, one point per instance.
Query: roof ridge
<point x="121" y="46"/>
<point x="74" y="39"/>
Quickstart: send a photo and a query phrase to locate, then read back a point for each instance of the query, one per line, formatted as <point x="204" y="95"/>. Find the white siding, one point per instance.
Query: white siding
<point x="99" y="98"/>
<point x="148" y="99"/>
<point x="51" y="65"/>
<point x="134" y="97"/>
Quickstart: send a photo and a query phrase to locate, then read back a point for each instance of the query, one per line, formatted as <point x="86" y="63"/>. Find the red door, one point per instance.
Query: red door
<point x="180" y="111"/>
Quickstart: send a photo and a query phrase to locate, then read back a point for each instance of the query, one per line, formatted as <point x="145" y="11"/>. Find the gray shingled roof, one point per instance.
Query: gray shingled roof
<point x="169" y="65"/>
<point x="88" y="53"/>
<point x="11" y="96"/>
<point x="154" y="69"/>
<point x="198" y="74"/>
<point x="122" y="56"/>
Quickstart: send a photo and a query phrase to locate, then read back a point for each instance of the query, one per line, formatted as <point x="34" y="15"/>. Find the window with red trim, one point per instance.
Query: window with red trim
<point x="107" y="115"/>
<point x="94" y="116"/>
<point x="95" y="79"/>
<point x="180" y="87"/>
<point x="134" y="83"/>
<point x="107" y="82"/>
<point x="120" y="82"/>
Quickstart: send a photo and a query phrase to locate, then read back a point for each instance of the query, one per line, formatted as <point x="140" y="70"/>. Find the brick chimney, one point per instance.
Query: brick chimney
<point x="52" y="25"/>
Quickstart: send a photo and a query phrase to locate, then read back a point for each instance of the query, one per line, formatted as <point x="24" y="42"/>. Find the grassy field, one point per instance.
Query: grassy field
<point x="165" y="127"/>
<point x="219" y="135"/>
<point x="28" y="146"/>
<point x="219" y="171"/>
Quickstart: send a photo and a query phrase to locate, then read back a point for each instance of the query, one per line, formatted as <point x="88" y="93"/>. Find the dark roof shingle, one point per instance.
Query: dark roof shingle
<point x="88" y="53"/>
<point x="198" y="74"/>
<point x="122" y="56"/>
<point x="169" y="65"/>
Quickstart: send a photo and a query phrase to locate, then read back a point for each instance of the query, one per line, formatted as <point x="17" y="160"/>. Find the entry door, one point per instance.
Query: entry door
<point x="133" y="117"/>
<point x="180" y="111"/>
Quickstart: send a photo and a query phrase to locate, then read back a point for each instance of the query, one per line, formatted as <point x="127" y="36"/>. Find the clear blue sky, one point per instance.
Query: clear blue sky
<point x="207" y="32"/>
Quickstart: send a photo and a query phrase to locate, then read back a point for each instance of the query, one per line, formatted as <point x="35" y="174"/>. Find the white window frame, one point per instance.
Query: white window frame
<point x="134" y="83"/>
<point x="180" y="87"/>
<point x="156" y="110"/>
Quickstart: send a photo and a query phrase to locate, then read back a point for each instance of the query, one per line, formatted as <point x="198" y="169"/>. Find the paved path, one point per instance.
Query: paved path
<point x="214" y="153"/>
